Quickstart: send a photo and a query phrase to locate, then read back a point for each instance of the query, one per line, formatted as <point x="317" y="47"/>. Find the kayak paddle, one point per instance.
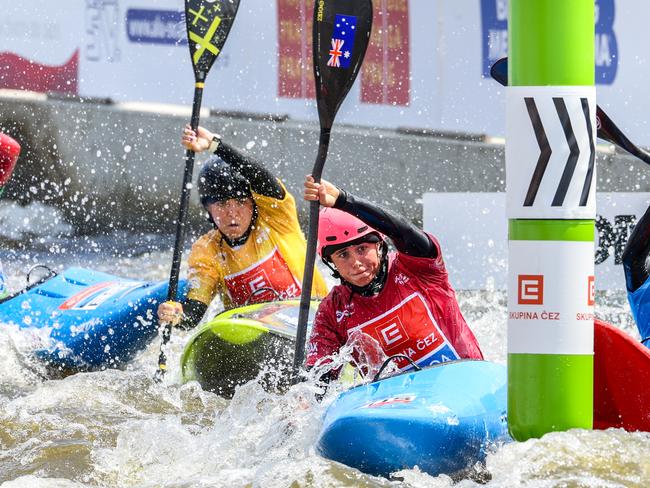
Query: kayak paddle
<point x="340" y="36"/>
<point x="606" y="129"/>
<point x="208" y="24"/>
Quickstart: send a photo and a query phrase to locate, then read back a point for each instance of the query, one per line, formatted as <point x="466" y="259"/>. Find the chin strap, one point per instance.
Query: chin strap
<point x="335" y="273"/>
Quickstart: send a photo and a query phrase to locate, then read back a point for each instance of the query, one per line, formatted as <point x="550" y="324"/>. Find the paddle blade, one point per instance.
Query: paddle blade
<point x="608" y="131"/>
<point x="208" y="24"/>
<point x="499" y="71"/>
<point x="341" y="34"/>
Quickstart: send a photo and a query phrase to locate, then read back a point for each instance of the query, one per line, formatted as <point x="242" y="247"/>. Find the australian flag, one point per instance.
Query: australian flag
<point x="345" y="27"/>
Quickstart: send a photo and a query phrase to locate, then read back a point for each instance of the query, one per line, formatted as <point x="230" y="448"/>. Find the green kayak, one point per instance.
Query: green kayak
<point x="239" y="344"/>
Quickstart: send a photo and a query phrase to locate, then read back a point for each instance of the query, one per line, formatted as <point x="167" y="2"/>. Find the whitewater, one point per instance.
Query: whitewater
<point x="119" y="428"/>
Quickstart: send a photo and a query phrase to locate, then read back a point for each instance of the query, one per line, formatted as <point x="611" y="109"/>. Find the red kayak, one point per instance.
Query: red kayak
<point x="621" y="379"/>
<point x="9" y="152"/>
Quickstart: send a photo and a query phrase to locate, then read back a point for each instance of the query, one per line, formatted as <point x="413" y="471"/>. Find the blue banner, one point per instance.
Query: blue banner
<point x="606" y="45"/>
<point x="155" y="26"/>
<point x="494" y="22"/>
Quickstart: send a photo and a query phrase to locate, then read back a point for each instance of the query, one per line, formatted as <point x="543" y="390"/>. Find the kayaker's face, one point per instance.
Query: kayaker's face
<point x="233" y="217"/>
<point x="358" y="264"/>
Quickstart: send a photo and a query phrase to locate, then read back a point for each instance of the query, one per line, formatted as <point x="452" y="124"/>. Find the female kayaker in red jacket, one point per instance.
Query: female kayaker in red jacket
<point x="402" y="300"/>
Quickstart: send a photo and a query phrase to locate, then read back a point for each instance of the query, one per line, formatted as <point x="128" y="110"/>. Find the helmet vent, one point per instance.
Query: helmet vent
<point x="330" y="238"/>
<point x="362" y="229"/>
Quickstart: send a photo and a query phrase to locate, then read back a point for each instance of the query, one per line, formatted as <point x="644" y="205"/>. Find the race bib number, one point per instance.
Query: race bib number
<point x="267" y="280"/>
<point x="410" y="329"/>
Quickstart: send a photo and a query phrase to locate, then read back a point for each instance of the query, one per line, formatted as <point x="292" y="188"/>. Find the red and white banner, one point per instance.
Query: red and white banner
<point x="386" y="69"/>
<point x="550" y="297"/>
<point x="295" y="69"/>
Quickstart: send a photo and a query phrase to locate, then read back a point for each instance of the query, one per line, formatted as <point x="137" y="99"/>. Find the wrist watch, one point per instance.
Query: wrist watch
<point x="214" y="144"/>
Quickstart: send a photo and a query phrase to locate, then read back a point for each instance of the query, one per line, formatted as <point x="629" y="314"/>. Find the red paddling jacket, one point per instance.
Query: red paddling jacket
<point x="415" y="313"/>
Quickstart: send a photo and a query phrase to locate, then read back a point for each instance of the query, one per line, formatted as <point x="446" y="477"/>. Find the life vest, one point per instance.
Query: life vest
<point x="267" y="280"/>
<point x="410" y="329"/>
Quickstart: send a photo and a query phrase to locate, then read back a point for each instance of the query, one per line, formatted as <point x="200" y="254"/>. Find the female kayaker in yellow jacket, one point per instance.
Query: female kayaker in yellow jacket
<point x="256" y="251"/>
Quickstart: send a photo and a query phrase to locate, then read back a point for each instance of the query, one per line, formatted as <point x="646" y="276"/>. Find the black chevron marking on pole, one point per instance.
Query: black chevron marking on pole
<point x="592" y="155"/>
<point x="574" y="152"/>
<point x="544" y="152"/>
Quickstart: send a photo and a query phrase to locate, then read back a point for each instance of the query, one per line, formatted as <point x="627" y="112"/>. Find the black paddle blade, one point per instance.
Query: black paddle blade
<point x="208" y="24"/>
<point x="499" y="71"/>
<point x="606" y="129"/>
<point x="340" y="38"/>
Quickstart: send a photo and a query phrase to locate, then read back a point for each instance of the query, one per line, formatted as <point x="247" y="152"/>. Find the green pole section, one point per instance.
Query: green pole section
<point x="551" y="43"/>
<point x="550" y="315"/>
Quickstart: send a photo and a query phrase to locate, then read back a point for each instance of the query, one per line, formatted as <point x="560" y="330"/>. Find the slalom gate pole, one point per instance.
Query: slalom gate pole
<point x="551" y="210"/>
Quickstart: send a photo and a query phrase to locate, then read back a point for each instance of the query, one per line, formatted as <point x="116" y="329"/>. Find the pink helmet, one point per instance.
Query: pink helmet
<point x="337" y="228"/>
<point x="9" y="151"/>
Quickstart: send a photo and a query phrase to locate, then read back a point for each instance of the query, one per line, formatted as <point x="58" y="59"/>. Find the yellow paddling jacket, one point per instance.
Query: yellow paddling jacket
<point x="268" y="266"/>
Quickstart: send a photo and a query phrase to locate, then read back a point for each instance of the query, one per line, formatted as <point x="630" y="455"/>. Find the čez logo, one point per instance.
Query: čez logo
<point x="392" y="333"/>
<point x="530" y="289"/>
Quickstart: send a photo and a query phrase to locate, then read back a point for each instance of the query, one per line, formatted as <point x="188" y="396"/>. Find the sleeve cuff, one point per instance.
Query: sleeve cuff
<point x="341" y="200"/>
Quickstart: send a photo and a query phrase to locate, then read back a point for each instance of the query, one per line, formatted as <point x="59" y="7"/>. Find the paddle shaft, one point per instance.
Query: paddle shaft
<point x="172" y="291"/>
<point x="181" y="224"/>
<point x="310" y="258"/>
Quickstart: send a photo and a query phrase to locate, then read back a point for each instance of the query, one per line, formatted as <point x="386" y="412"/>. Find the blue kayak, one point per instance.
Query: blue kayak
<point x="94" y="320"/>
<point x="441" y="419"/>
